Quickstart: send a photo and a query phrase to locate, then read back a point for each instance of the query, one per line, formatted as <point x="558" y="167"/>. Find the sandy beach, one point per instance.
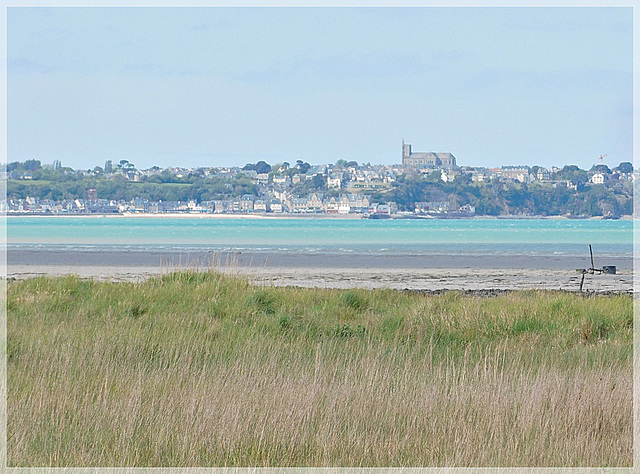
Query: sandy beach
<point x="412" y="272"/>
<point x="401" y="279"/>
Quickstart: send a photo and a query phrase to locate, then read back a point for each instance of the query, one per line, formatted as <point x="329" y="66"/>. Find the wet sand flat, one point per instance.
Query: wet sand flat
<point x="413" y="272"/>
<point x="276" y="259"/>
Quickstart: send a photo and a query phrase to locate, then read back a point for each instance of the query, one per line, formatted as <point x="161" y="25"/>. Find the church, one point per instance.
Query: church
<point x="427" y="160"/>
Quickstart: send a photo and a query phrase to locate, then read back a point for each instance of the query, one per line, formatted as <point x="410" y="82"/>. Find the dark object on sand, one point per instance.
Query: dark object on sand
<point x="610" y="269"/>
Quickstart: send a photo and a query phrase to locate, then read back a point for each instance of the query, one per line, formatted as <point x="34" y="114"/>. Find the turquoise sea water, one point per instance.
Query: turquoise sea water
<point x="451" y="236"/>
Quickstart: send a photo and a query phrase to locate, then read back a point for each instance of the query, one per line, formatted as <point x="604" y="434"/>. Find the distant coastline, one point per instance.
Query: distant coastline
<point x="205" y="215"/>
<point x="420" y="189"/>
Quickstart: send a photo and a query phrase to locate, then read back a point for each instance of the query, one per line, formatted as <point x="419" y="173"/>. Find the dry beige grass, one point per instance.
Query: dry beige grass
<point x="249" y="377"/>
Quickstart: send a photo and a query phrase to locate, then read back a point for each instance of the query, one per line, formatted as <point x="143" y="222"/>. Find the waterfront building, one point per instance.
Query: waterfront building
<point x="299" y="205"/>
<point x="275" y="205"/>
<point x="314" y="203"/>
<point x="331" y="206"/>
<point x="246" y="202"/>
<point x="260" y="205"/>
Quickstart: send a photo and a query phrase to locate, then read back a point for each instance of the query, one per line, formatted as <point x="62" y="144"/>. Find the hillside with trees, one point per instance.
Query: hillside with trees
<point x="568" y="192"/>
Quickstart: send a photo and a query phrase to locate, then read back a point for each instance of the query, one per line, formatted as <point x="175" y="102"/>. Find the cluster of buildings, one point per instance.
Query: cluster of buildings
<point x="349" y="178"/>
<point x="316" y="203"/>
<point x="349" y="187"/>
<point x="445" y="165"/>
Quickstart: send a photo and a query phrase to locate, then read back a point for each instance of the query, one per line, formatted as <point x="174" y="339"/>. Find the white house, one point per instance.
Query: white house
<point x="334" y="180"/>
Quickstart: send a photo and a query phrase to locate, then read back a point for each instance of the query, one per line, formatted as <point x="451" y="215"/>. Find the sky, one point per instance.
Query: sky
<point x="191" y="87"/>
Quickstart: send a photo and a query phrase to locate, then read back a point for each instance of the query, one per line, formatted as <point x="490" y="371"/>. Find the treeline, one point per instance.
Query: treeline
<point x="202" y="189"/>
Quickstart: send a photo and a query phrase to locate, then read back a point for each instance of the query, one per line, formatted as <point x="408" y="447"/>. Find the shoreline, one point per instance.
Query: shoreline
<point x="407" y="279"/>
<point x="203" y="215"/>
<point x="186" y="215"/>
<point x="317" y="270"/>
<point x="406" y="267"/>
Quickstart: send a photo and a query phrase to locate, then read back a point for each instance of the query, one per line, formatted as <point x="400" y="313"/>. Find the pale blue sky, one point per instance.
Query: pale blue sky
<point x="227" y="86"/>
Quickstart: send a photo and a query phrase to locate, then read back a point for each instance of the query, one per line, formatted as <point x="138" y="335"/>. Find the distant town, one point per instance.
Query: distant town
<point x="420" y="185"/>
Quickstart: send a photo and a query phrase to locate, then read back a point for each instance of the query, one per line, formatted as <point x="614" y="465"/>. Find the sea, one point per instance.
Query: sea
<point x="499" y="238"/>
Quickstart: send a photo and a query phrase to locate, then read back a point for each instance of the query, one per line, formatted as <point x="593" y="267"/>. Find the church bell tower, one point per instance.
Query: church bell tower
<point x="406" y="151"/>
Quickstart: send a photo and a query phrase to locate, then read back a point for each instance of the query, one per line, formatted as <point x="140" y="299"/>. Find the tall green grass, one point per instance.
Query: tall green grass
<point x="201" y="369"/>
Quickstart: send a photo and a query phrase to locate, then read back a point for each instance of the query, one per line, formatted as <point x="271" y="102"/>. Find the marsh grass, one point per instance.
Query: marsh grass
<point x="201" y="369"/>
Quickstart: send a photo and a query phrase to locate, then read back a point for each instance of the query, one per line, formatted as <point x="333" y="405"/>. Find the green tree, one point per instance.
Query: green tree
<point x="318" y="181"/>
<point x="31" y="165"/>
<point x="302" y="166"/>
<point x="625" y="167"/>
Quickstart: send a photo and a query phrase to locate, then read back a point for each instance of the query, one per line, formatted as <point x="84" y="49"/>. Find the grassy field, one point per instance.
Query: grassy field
<point x="200" y="369"/>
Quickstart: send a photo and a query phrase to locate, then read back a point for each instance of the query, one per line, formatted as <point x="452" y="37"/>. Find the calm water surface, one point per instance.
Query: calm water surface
<point x="433" y="236"/>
